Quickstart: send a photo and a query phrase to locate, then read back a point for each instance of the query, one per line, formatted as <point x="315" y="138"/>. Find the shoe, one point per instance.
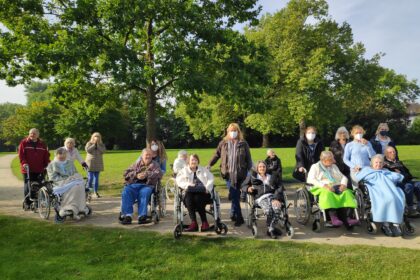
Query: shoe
<point x="126" y="220"/>
<point x="335" y="221"/>
<point x="205" y="226"/>
<point x="353" y="222"/>
<point x="273" y="233"/>
<point x="412" y="213"/>
<point x="192" y="227"/>
<point x="142" y="220"/>
<point x="58" y="219"/>
<point x="386" y="230"/>
<point x="97" y="195"/>
<point x="239" y="221"/>
<point x="396" y="230"/>
<point x="233" y="218"/>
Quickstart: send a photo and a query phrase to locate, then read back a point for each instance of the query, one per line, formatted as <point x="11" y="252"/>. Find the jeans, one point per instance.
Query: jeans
<point x="235" y="193"/>
<point x="133" y="192"/>
<point x="93" y="176"/>
<point x="410" y="189"/>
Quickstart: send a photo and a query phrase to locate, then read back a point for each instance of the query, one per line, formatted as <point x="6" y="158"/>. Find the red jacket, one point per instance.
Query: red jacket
<point x="35" y="154"/>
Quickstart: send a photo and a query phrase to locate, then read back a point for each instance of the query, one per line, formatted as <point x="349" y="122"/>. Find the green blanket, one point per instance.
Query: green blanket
<point x="328" y="199"/>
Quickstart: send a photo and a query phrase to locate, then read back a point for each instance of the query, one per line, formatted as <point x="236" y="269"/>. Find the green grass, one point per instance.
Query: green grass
<point x="32" y="249"/>
<point x="116" y="162"/>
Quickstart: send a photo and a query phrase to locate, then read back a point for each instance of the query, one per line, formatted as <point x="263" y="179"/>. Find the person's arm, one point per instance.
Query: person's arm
<point x="395" y="177"/>
<point x="90" y="147"/>
<point x="46" y="157"/>
<point x="78" y="156"/>
<point x="312" y="176"/>
<point x="54" y="174"/>
<point x="216" y="154"/>
<point x="22" y="154"/>
<point x="210" y="180"/>
<point x="101" y="148"/>
<point x="371" y="151"/>
<point x="347" y="156"/>
<point x="182" y="179"/>
<point x="154" y="173"/>
<point x="343" y="179"/>
<point x="163" y="166"/>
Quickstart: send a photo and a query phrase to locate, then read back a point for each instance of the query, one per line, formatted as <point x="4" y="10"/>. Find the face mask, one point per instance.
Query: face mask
<point x="233" y="134"/>
<point x="358" y="136"/>
<point x="383" y="133"/>
<point x="310" y="136"/>
<point x="154" y="147"/>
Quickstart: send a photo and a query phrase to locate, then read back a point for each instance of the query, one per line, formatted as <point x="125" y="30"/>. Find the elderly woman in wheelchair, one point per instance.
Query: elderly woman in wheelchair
<point x="329" y="185"/>
<point x="265" y="191"/>
<point x="141" y="179"/>
<point x="68" y="187"/>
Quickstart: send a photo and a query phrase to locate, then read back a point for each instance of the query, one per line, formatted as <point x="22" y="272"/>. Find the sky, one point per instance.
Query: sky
<point x="383" y="26"/>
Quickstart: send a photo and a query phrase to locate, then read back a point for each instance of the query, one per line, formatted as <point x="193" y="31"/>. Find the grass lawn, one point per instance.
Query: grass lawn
<point x="116" y="162"/>
<point x="32" y="249"/>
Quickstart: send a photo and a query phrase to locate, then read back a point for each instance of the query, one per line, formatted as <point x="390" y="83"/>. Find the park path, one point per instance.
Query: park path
<point x="106" y="209"/>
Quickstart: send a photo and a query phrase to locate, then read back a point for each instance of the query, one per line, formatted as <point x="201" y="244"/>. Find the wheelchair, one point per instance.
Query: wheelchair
<point x="179" y="213"/>
<point x="47" y="200"/>
<point x="364" y="207"/>
<point x="30" y="201"/>
<point x="307" y="206"/>
<point x="253" y="212"/>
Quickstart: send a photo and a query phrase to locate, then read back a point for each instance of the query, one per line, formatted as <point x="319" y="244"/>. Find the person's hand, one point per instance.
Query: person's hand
<point x="301" y="169"/>
<point x="363" y="141"/>
<point x="141" y="175"/>
<point x="276" y="203"/>
<point x="342" y="188"/>
<point x="251" y="189"/>
<point x="357" y="168"/>
<point x="328" y="187"/>
<point x="84" y="165"/>
<point x="25" y="166"/>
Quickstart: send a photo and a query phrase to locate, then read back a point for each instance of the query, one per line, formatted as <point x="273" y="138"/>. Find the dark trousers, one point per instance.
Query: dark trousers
<point x="32" y="177"/>
<point x="196" y="202"/>
<point x="235" y="195"/>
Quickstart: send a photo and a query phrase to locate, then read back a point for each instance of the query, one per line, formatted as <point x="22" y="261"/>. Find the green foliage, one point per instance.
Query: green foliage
<point x="37" y="92"/>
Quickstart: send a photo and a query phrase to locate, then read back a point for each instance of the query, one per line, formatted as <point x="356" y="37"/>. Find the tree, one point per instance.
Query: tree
<point x="38" y="92"/>
<point x="6" y="110"/>
<point x="156" y="48"/>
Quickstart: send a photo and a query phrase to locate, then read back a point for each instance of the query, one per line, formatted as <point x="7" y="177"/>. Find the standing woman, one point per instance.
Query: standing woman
<point x="72" y="152"/>
<point x="235" y="164"/>
<point x="357" y="153"/>
<point x="158" y="153"/>
<point x="381" y="140"/>
<point x="337" y="146"/>
<point x="94" y="159"/>
<point x="308" y="151"/>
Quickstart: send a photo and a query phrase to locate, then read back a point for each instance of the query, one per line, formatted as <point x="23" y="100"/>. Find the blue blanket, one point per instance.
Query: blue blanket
<point x="387" y="199"/>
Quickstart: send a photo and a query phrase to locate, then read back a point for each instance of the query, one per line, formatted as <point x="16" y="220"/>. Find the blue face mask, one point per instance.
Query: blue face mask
<point x="383" y="133"/>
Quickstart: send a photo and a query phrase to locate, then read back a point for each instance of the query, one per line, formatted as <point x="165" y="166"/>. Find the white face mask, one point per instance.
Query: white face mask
<point x="233" y="134"/>
<point x="154" y="147"/>
<point x="310" y="136"/>
<point x="358" y="136"/>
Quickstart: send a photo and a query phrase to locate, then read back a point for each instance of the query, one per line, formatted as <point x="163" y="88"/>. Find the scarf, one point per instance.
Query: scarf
<point x="232" y="153"/>
<point x="327" y="173"/>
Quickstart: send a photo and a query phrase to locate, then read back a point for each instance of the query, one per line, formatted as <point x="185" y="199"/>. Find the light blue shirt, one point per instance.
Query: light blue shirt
<point x="358" y="154"/>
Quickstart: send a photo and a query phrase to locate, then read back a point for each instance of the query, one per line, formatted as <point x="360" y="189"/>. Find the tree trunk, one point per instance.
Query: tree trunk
<point x="302" y="127"/>
<point x="265" y="141"/>
<point x="151" y="114"/>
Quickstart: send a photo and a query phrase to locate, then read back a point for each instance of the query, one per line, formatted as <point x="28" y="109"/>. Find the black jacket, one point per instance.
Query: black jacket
<point x="274" y="165"/>
<point x="376" y="145"/>
<point x="304" y="156"/>
<point x="398" y="165"/>
<point x="338" y="152"/>
<point x="275" y="186"/>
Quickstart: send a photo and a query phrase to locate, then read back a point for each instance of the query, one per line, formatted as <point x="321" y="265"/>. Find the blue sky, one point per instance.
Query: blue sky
<point x="387" y="26"/>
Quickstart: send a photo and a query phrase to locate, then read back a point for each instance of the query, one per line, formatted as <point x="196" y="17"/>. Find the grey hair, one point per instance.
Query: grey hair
<point x="270" y="151"/>
<point x="325" y="155"/>
<point x="380" y="156"/>
<point x="146" y="150"/>
<point x="34" y="130"/>
<point x="70" y="140"/>
<point x="61" y="151"/>
<point x="342" y="129"/>
<point x="182" y="153"/>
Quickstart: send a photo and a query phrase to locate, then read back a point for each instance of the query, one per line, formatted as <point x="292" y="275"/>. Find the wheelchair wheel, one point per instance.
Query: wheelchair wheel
<point x="254" y="230"/>
<point x="44" y="205"/>
<point x="360" y="203"/>
<point x="290" y="232"/>
<point x="221" y="229"/>
<point x="371" y="228"/>
<point x="25" y="206"/>
<point x="162" y="203"/>
<point x="316" y="226"/>
<point x="90" y="211"/>
<point x="302" y="206"/>
<point x="408" y="228"/>
<point x="178" y="231"/>
<point x="170" y="189"/>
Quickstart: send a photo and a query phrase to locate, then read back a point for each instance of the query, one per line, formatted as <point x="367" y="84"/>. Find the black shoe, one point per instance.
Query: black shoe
<point x="126" y="220"/>
<point x="239" y="221"/>
<point x="396" y="230"/>
<point x="273" y="233"/>
<point x="233" y="218"/>
<point x="142" y="220"/>
<point x="58" y="219"/>
<point x="387" y="230"/>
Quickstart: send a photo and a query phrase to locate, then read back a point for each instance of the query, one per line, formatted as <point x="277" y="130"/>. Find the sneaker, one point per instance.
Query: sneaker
<point x="58" y="219"/>
<point x="205" y="226"/>
<point x="126" y="220"/>
<point x="387" y="230"/>
<point x="335" y="221"/>
<point x="192" y="227"/>
<point x="396" y="230"/>
<point x="239" y="221"/>
<point x="142" y="220"/>
<point x="97" y="195"/>
<point x="353" y="222"/>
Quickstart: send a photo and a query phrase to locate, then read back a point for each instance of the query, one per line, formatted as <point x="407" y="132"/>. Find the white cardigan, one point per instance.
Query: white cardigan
<point x="317" y="177"/>
<point x="185" y="178"/>
<point x="74" y="155"/>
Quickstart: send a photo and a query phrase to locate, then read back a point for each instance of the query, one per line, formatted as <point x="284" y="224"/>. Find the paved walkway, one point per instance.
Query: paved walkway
<point x="106" y="209"/>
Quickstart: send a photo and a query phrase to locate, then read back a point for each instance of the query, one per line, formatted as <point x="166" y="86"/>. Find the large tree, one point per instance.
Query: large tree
<point x="156" y="48"/>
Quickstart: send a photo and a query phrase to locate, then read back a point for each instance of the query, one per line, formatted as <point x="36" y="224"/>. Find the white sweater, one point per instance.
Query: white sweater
<point x="185" y="178"/>
<point x="317" y="177"/>
<point x="74" y="155"/>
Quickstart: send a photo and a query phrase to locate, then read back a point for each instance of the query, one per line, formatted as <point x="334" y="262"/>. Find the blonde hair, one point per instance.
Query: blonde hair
<point x="96" y="134"/>
<point x="69" y="140"/>
<point x="356" y="127"/>
<point x="161" y="149"/>
<point x="340" y="130"/>
<point x="233" y="126"/>
<point x="382" y="125"/>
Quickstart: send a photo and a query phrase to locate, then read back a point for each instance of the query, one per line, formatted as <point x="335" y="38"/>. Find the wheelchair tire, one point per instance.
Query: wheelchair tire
<point x="408" y="229"/>
<point x="90" y="211"/>
<point x="26" y="206"/>
<point x="360" y="203"/>
<point x="302" y="206"/>
<point x="44" y="203"/>
<point x="177" y="231"/>
<point x="254" y="230"/>
<point x="290" y="231"/>
<point x="162" y="203"/>
<point x="221" y="229"/>
<point x="371" y="228"/>
<point x="170" y="189"/>
<point x="155" y="218"/>
<point x="316" y="226"/>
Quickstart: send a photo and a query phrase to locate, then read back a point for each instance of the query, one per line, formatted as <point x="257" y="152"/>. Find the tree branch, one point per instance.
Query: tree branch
<point x="165" y="85"/>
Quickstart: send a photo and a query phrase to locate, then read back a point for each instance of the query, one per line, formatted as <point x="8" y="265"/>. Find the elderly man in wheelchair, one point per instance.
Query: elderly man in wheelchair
<point x="140" y="181"/>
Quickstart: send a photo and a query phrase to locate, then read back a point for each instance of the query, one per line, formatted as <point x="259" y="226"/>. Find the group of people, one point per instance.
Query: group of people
<point x="333" y="174"/>
<point x="373" y="163"/>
